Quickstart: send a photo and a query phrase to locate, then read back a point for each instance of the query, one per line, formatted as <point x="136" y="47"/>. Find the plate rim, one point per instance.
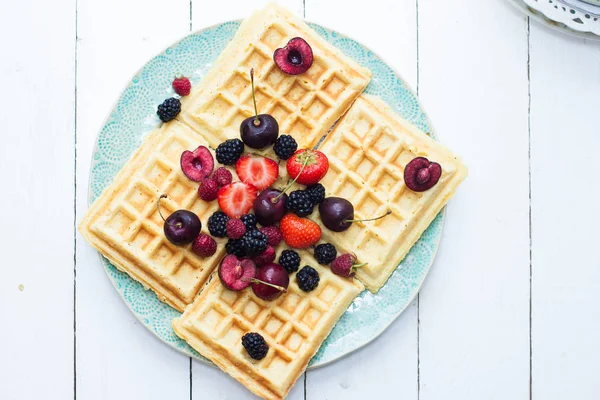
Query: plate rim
<point x="104" y="260"/>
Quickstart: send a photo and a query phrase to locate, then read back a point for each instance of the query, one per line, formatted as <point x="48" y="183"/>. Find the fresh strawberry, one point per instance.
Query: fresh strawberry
<point x="299" y="233"/>
<point x="259" y="171"/>
<point x="236" y="199"/>
<point x="315" y="166"/>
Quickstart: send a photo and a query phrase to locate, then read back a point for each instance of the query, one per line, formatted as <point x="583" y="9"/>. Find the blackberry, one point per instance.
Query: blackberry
<point x="249" y="221"/>
<point x="235" y="247"/>
<point x="307" y="278"/>
<point x="217" y="224"/>
<point x="169" y="109"/>
<point x="255" y="345"/>
<point x="254" y="242"/>
<point x="229" y="151"/>
<point x="285" y="146"/>
<point x="299" y="202"/>
<point x="290" y="260"/>
<point x="325" y="253"/>
<point x="316" y="193"/>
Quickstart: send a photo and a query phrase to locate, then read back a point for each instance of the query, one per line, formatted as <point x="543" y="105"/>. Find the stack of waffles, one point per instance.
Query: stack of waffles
<point x="367" y="152"/>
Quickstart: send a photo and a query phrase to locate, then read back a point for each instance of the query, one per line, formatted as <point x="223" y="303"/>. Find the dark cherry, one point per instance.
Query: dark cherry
<point x="236" y="273"/>
<point x="295" y="58"/>
<point x="269" y="206"/>
<point x="270" y="282"/>
<point x="261" y="130"/>
<point x="337" y="214"/>
<point x="181" y="227"/>
<point x="420" y="174"/>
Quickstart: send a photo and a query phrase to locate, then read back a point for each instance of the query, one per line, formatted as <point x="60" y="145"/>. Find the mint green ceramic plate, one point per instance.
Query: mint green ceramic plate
<point x="134" y="115"/>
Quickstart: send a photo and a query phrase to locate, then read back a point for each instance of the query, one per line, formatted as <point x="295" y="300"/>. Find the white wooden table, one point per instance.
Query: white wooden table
<point x="511" y="308"/>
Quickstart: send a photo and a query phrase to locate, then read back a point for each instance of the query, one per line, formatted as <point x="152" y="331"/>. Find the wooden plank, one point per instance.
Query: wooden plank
<point x="36" y="169"/>
<point x="389" y="364"/>
<point x="474" y="306"/>
<point x="565" y="93"/>
<point x="208" y="382"/>
<point x="116" y="356"/>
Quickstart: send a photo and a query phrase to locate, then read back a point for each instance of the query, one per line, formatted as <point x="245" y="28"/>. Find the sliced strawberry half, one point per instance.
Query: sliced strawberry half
<point x="236" y="199"/>
<point x="259" y="171"/>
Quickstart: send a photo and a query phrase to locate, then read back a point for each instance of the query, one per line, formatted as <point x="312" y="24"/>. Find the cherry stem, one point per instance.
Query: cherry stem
<point x="369" y="219"/>
<point x="275" y="199"/>
<point x="280" y="288"/>
<point x="162" y="196"/>
<point x="256" y="121"/>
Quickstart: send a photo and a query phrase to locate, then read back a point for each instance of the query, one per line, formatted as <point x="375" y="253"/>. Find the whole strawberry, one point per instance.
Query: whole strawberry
<point x="299" y="233"/>
<point x="204" y="245"/>
<point x="309" y="166"/>
<point x="345" y="265"/>
<point x="182" y="86"/>
<point x="273" y="234"/>
<point x="208" y="189"/>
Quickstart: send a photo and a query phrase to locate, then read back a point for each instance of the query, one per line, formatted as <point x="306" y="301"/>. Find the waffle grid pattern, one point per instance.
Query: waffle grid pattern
<point x="305" y="106"/>
<point x="130" y="223"/>
<point x="293" y="325"/>
<point x="367" y="153"/>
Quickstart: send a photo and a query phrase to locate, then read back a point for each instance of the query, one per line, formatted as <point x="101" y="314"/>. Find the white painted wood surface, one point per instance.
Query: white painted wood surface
<point x="511" y="309"/>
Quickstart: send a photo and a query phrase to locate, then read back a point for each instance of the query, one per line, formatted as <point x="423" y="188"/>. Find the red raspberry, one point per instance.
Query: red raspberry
<point x="345" y="265"/>
<point x="204" y="245"/>
<point x="223" y="176"/>
<point x="266" y="257"/>
<point x="235" y="228"/>
<point x="273" y="234"/>
<point x="182" y="86"/>
<point x="208" y="189"/>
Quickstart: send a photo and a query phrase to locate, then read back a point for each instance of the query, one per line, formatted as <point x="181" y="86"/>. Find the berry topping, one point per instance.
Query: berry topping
<point x="208" y="189"/>
<point x="261" y="130"/>
<point x="169" y="109"/>
<point x="325" y="253"/>
<point x="300" y="203"/>
<point x="236" y="199"/>
<point x="295" y="58"/>
<point x="316" y="193"/>
<point x="217" y="224"/>
<point x="290" y="260"/>
<point x="182" y="86"/>
<point x="181" y="227"/>
<point x="236" y="274"/>
<point x="235" y="228"/>
<point x="285" y="146"/>
<point x="345" y="265"/>
<point x="269" y="206"/>
<point x="307" y="166"/>
<point x="204" y="245"/>
<point x="299" y="232"/>
<point x="307" y="278"/>
<point x="270" y="282"/>
<point x="421" y="174"/>
<point x="337" y="214"/>
<point x="222" y="176"/>
<point x="249" y="221"/>
<point x="254" y="242"/>
<point x="229" y="151"/>
<point x="259" y="171"/>
<point x="255" y="345"/>
<point x="197" y="165"/>
<point x="273" y="234"/>
<point x="235" y="247"/>
<point x="266" y="257"/>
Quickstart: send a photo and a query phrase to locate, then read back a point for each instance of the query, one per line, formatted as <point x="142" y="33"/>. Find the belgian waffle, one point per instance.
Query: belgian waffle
<point x="294" y="326"/>
<point x="124" y="225"/>
<point x="367" y="152"/>
<point x="305" y="106"/>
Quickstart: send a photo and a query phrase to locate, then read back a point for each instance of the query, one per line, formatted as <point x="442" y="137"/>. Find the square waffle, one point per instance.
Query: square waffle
<point x="305" y="105"/>
<point x="124" y="225"/>
<point x="294" y="326"/>
<point x="367" y="152"/>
